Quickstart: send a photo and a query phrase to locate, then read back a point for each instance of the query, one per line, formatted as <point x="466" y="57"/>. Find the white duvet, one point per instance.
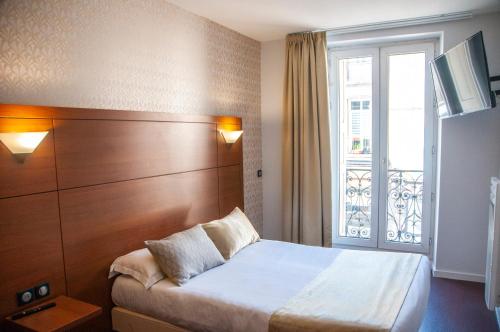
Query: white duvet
<point x="242" y="294"/>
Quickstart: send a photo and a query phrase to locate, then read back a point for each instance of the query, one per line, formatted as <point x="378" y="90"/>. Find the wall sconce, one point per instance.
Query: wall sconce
<point x="231" y="136"/>
<point x="22" y="144"/>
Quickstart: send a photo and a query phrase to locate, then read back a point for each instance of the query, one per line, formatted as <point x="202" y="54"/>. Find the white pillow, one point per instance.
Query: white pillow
<point x="186" y="254"/>
<point x="231" y="233"/>
<point x="140" y="265"/>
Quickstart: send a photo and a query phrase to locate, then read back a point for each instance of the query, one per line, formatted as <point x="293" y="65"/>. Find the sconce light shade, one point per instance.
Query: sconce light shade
<point x="22" y="143"/>
<point x="231" y="136"/>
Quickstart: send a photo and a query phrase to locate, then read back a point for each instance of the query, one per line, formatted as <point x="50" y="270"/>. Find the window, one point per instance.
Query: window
<point x="383" y="123"/>
<point x="355" y="105"/>
<point x="360" y="126"/>
<point x="356" y="70"/>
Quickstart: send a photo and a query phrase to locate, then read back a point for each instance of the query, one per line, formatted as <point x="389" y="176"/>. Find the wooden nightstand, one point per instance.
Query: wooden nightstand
<point x="66" y="314"/>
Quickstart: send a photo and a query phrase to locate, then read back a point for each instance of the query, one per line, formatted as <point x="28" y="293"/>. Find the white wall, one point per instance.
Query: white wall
<point x="272" y="74"/>
<point x="469" y="154"/>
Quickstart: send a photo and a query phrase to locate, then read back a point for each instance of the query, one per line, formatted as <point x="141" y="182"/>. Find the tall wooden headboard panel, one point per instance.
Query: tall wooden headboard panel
<point x="100" y="184"/>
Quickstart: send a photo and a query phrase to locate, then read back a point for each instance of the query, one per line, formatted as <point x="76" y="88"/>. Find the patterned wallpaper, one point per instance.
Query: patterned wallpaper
<point x="142" y="55"/>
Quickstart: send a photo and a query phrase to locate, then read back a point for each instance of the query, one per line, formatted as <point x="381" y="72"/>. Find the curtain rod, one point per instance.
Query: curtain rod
<point x="397" y="23"/>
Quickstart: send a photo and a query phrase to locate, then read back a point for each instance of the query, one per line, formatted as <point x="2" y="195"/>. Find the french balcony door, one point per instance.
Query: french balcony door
<point x="383" y="138"/>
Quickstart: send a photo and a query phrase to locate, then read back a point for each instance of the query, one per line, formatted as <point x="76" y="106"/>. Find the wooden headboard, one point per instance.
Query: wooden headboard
<point x="99" y="184"/>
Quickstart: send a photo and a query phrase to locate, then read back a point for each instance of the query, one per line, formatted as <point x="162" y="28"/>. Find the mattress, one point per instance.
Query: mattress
<point x="242" y="294"/>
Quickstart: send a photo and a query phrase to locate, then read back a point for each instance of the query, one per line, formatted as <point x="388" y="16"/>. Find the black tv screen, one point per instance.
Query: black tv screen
<point x="462" y="80"/>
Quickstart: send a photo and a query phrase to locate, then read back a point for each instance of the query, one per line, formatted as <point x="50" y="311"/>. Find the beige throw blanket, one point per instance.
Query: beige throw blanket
<point x="360" y="291"/>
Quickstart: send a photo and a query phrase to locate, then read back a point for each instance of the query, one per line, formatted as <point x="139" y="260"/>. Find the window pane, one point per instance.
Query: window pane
<point x="355" y="105"/>
<point x="355" y="160"/>
<point x="356" y="70"/>
<point x="405" y="147"/>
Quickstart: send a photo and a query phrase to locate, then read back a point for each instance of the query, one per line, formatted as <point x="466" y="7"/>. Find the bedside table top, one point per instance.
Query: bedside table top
<point x="67" y="313"/>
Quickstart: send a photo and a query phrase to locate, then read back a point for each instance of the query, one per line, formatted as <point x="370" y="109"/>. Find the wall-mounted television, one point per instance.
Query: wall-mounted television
<point x="462" y="80"/>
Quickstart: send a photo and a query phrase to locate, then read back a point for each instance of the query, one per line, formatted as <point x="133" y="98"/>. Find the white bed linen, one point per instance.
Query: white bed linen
<point x="242" y="294"/>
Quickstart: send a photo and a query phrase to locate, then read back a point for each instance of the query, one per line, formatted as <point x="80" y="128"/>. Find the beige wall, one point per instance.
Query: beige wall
<point x="469" y="153"/>
<point x="272" y="71"/>
<point x="133" y="55"/>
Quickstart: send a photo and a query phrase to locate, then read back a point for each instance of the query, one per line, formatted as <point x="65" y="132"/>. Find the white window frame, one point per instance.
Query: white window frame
<point x="429" y="143"/>
<point x="336" y="56"/>
<point x="378" y="228"/>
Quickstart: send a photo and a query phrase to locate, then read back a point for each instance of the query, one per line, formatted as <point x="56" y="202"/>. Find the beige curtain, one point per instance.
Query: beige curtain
<point x="306" y="160"/>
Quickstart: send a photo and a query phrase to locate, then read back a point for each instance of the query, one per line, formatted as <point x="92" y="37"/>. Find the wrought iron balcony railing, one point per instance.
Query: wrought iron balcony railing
<point x="404" y="205"/>
<point x="358" y="198"/>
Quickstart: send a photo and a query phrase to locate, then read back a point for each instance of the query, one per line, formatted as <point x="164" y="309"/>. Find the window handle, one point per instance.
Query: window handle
<point x="383" y="162"/>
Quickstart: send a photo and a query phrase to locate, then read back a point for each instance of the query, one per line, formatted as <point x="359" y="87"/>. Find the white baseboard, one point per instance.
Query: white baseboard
<point x="458" y="275"/>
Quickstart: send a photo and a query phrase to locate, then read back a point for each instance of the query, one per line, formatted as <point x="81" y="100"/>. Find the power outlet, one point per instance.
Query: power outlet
<point x="26" y="296"/>
<point x="42" y="290"/>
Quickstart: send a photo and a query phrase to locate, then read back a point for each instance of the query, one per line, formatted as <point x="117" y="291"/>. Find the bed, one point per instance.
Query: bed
<point x="243" y="294"/>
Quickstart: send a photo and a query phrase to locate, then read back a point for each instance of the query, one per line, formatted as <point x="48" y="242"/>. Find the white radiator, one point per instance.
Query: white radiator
<point x="492" y="287"/>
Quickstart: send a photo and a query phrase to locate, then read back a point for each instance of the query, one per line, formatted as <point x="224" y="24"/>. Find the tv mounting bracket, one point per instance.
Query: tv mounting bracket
<point x="494" y="79"/>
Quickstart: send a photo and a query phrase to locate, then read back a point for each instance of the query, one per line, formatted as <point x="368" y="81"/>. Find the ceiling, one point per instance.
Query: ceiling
<point x="266" y="20"/>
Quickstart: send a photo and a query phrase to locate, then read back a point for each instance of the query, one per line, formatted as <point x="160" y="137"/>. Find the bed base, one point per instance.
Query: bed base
<point x="128" y="321"/>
